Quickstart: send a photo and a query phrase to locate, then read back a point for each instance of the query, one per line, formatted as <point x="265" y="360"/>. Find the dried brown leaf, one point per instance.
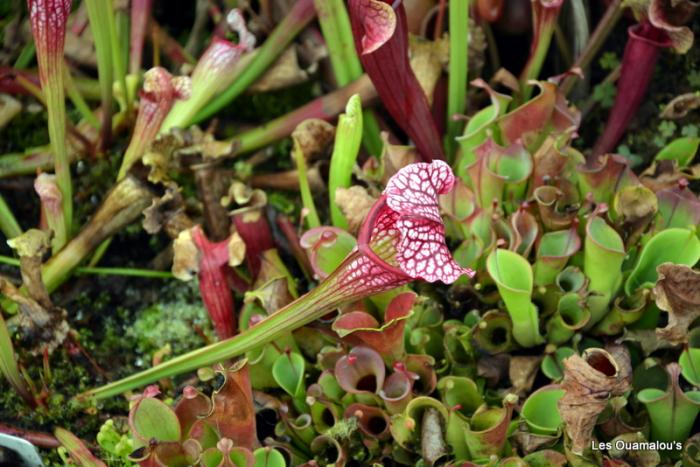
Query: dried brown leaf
<point x="31" y="246"/>
<point x="285" y="72"/>
<point x="167" y="213"/>
<point x="236" y="250"/>
<point x="46" y="329"/>
<point x="427" y="61"/>
<point x="433" y="446"/>
<point x="645" y="338"/>
<point x="635" y="203"/>
<point x="522" y="372"/>
<point x="212" y="185"/>
<point x="186" y="256"/>
<point x="677" y="292"/>
<point x="314" y="137"/>
<point x="681" y="105"/>
<point x="355" y="203"/>
<point x="528" y="442"/>
<point x="493" y="368"/>
<point x="589" y="382"/>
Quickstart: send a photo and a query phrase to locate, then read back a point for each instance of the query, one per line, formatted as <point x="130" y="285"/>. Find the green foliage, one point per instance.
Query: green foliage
<point x="694" y="78"/>
<point x="666" y="130"/>
<point x="609" y="60"/>
<point x="690" y="130"/>
<point x="605" y="94"/>
<point x="26" y="130"/>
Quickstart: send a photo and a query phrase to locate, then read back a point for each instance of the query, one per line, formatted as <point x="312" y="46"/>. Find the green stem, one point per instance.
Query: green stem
<point x="133" y="272"/>
<point x="8" y="223"/>
<point x="8" y="365"/>
<point x="54" y="94"/>
<point x="299" y="16"/>
<point x="101" y="19"/>
<point x="26" y="163"/>
<point x="25" y="56"/>
<point x="118" y="49"/>
<point x="122" y="206"/>
<point x="88" y="88"/>
<point x="78" y="100"/>
<point x="347" y="145"/>
<point x="337" y="32"/>
<point x="312" y="219"/>
<point x="545" y="18"/>
<point x="457" y="84"/>
<point x="326" y="297"/>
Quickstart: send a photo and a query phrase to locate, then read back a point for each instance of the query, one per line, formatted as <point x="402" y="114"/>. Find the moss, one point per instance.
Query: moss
<point x="26" y="130"/>
<point x="169" y="323"/>
<point x="103" y="315"/>
<point x="265" y="106"/>
<point x="343" y="429"/>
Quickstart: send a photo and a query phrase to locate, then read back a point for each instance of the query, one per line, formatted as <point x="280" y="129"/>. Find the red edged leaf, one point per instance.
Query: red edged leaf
<point x="386" y="339"/>
<point x="361" y="371"/>
<point x="671" y="15"/>
<point x="608" y="175"/>
<point x="192" y="406"/>
<point x="531" y="117"/>
<point x="159" y="93"/>
<point x="49" y="18"/>
<point x="388" y="66"/>
<point x="379" y="23"/>
<point x="213" y="283"/>
<point x="255" y="231"/>
<point x="140" y="14"/>
<point x="678" y="207"/>
<point x="525" y="229"/>
<point x="233" y="414"/>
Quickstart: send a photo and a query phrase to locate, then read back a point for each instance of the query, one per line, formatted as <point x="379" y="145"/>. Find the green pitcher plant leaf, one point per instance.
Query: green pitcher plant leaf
<point x="153" y="419"/>
<point x="513" y="276"/>
<point x="604" y="253"/>
<point x="476" y="132"/>
<point x="540" y="410"/>
<point x="689" y="360"/>
<point x="681" y="150"/>
<point x="672" y="411"/>
<point x="288" y="371"/>
<point x="553" y="364"/>
<point x="268" y="457"/>
<point x="678" y="246"/>
<point x="553" y="252"/>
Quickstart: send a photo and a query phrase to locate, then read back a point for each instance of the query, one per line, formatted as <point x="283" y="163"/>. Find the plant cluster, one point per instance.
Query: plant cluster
<point x="495" y="292"/>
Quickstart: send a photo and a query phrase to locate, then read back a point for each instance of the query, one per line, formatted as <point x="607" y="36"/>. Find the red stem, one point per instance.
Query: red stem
<point x="140" y="15"/>
<point x="290" y="233"/>
<point x="253" y="228"/>
<point x="638" y="63"/>
<point x="37" y="438"/>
